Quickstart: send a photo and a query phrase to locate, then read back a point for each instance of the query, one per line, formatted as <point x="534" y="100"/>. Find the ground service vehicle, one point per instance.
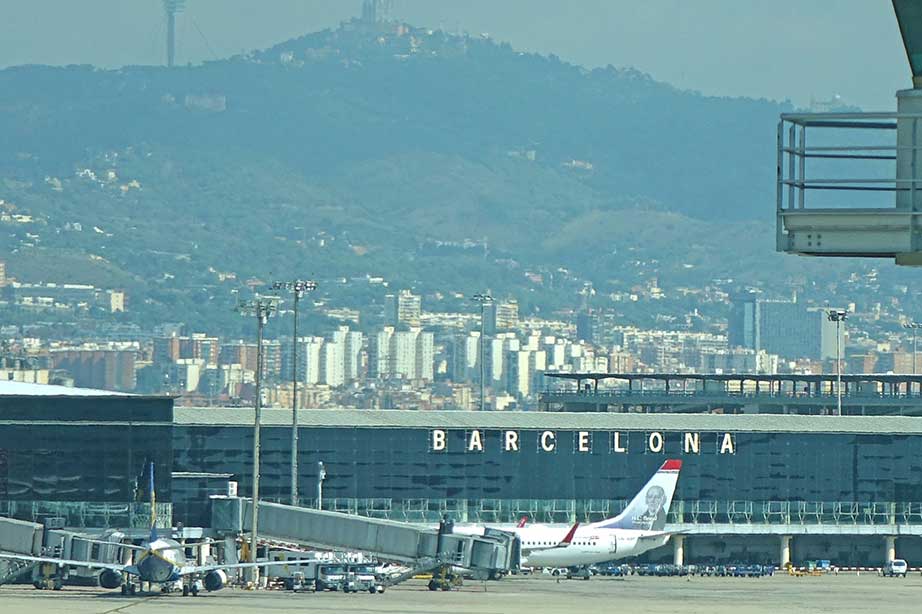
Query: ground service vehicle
<point x="610" y="570"/>
<point x="362" y="577"/>
<point x="894" y="568"/>
<point x="299" y="583"/>
<point x="331" y="577"/>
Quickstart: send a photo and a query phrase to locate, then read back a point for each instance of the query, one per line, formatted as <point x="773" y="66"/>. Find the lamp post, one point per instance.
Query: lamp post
<point x="913" y="325"/>
<point x="321" y="476"/>
<point x="297" y="288"/>
<point x="838" y="316"/>
<point x="263" y="307"/>
<point x="483" y="299"/>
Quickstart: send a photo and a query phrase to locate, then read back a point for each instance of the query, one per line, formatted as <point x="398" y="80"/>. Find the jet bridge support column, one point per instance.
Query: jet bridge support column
<point x="678" y="550"/>
<point x="784" y="556"/>
<point x="889" y="548"/>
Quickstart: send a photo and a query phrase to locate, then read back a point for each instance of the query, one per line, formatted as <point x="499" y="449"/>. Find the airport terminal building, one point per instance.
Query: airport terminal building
<point x="752" y="487"/>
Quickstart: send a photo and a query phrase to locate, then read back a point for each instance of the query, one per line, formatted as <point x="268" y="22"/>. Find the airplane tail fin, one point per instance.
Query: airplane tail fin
<point x="153" y="504"/>
<point x="568" y="538"/>
<point x="522" y="522"/>
<point x="647" y="510"/>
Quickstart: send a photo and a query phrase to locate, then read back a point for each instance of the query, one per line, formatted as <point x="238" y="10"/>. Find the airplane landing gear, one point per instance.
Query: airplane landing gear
<point x="129" y="589"/>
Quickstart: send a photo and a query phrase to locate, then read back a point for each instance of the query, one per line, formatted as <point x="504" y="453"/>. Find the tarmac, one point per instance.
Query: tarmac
<point x="514" y="595"/>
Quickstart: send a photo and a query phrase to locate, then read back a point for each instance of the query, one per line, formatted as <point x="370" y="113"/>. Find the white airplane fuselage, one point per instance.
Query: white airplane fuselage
<point x="161" y="562"/>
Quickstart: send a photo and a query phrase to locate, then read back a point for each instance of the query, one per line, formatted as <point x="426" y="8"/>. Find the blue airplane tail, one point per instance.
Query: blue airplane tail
<point x="153" y="504"/>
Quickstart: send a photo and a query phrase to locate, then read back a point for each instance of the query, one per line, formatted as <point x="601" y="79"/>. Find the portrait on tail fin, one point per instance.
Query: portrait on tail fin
<point x="654" y="516"/>
<point x="648" y="509"/>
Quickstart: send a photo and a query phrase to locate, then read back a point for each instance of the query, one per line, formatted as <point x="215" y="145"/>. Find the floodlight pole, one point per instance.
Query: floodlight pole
<point x="298" y="288"/>
<point x="913" y="325"/>
<point x="838" y="316"/>
<point x="262" y="308"/>
<point x="321" y="476"/>
<point x="483" y="299"/>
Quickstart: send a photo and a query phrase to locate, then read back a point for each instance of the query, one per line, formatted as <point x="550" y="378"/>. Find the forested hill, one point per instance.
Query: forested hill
<point x="385" y="146"/>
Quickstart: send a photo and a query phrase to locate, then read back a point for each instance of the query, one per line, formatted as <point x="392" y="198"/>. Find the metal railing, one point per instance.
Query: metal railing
<point x="697" y="511"/>
<point x="88" y="514"/>
<point x="500" y="511"/>
<point x="862" y="173"/>
<point x="719" y="395"/>
<point x="832" y="146"/>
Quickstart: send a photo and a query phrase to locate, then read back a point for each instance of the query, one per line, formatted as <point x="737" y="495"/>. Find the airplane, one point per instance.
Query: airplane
<point x="161" y="561"/>
<point x="639" y="528"/>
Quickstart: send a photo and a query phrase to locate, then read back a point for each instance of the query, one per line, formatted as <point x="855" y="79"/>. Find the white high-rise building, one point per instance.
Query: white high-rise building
<point x="351" y="342"/>
<point x="518" y="381"/>
<point x="407" y="354"/>
<point x="403" y="351"/>
<point x="525" y="372"/>
<point x="379" y="359"/>
<point x="352" y="355"/>
<point x="425" y="356"/>
<point x="466" y="357"/>
<point x="402" y="308"/>
<point x="309" y="359"/>
<point x="498" y="359"/>
<point x="556" y="352"/>
<point x="331" y="364"/>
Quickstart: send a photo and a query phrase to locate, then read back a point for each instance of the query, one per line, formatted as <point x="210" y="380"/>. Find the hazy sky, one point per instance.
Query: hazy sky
<point x="797" y="49"/>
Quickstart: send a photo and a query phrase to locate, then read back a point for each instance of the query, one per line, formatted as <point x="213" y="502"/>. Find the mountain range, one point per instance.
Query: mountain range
<point x="437" y="161"/>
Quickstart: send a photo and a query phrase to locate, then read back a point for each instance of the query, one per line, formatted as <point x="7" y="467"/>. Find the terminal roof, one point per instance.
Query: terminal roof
<point x="564" y="421"/>
<point x="23" y="389"/>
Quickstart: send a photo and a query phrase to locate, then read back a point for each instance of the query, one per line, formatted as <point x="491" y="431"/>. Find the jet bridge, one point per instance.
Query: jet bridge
<point x="34" y="539"/>
<point x="420" y="547"/>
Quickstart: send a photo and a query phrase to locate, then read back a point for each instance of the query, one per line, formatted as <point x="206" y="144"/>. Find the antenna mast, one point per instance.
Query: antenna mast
<point x="172" y="7"/>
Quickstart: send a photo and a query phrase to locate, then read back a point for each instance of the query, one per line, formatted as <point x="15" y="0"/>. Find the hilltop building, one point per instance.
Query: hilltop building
<point x="501" y="316"/>
<point x="404" y="308"/>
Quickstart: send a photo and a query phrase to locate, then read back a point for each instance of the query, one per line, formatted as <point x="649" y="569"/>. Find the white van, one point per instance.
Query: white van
<point x="896" y="567"/>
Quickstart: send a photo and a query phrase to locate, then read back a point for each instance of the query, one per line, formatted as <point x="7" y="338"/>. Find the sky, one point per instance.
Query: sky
<point x="783" y="49"/>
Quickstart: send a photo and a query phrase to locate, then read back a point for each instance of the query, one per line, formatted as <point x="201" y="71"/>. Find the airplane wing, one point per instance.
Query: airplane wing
<point x="197" y="569"/>
<point x="565" y="542"/>
<point x="658" y="538"/>
<point x="69" y="563"/>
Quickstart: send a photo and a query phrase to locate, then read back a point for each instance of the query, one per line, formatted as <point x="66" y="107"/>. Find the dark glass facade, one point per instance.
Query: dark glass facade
<point x="392" y="463"/>
<point x="90" y="451"/>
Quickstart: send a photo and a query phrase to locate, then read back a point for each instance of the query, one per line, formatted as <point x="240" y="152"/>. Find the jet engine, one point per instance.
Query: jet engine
<point x="215" y="580"/>
<point x="109" y="578"/>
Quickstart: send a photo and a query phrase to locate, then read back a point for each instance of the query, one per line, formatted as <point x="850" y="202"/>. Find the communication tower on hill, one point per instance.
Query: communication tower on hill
<point x="374" y="11"/>
<point x="171" y="8"/>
